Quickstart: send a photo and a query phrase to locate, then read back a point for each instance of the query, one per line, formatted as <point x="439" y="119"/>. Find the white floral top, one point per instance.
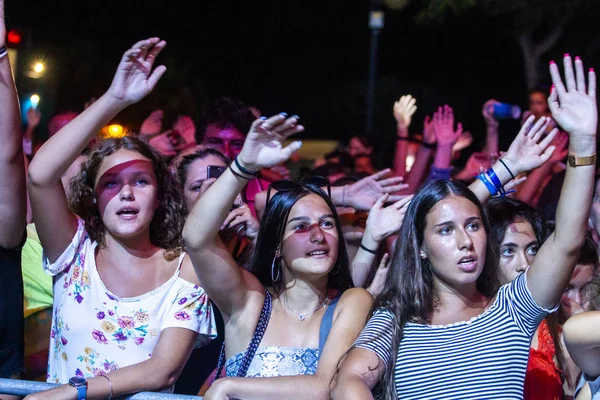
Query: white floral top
<point x="95" y="332"/>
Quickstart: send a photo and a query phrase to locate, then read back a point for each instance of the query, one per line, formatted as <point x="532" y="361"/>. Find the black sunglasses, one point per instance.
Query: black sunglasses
<point x="286" y="185"/>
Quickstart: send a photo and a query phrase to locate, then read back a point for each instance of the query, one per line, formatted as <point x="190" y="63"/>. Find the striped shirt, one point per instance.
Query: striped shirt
<point x="483" y="358"/>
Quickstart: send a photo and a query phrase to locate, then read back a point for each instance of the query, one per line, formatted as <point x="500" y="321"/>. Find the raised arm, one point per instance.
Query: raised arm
<point x="404" y="109"/>
<point x="381" y="223"/>
<point x="225" y="282"/>
<point x="574" y="108"/>
<point x="525" y="153"/>
<point x="416" y="175"/>
<point x="133" y="80"/>
<point x="13" y="205"/>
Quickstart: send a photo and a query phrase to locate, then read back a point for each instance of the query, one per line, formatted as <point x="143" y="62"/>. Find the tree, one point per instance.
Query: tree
<point x="536" y="25"/>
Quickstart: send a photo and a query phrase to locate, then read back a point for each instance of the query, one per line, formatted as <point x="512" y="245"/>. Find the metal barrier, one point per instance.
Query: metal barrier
<point x="23" y="388"/>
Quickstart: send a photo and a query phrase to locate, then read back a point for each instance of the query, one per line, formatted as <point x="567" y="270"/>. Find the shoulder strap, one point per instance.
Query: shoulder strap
<point x="261" y="327"/>
<point x="326" y="323"/>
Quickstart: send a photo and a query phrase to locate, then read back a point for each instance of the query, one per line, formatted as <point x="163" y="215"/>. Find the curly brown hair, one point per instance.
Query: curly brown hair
<point x="168" y="219"/>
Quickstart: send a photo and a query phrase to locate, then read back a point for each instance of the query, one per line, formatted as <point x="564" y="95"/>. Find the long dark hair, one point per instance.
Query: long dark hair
<point x="502" y="213"/>
<point x="408" y="292"/>
<point x="167" y="222"/>
<point x="270" y="237"/>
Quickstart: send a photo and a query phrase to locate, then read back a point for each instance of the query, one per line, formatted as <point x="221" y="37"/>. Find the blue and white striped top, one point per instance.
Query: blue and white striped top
<point x="483" y="358"/>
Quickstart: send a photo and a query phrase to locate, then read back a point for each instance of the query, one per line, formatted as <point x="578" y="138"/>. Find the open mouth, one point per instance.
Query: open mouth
<point x="127" y="212"/>
<point x="317" y="253"/>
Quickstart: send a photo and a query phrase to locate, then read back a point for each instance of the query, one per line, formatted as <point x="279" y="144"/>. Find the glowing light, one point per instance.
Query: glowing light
<point x="38" y="67"/>
<point x="115" y="130"/>
<point x="35" y="100"/>
<point x="14" y="37"/>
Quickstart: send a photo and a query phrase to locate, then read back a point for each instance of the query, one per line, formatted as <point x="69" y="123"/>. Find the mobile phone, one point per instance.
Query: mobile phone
<point x="214" y="171"/>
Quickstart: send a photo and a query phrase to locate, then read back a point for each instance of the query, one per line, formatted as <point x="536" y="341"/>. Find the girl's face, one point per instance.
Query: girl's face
<point x="126" y="194"/>
<point x="571" y="298"/>
<point x="310" y="241"/>
<point x="196" y="175"/>
<point x="518" y="249"/>
<point x="454" y="242"/>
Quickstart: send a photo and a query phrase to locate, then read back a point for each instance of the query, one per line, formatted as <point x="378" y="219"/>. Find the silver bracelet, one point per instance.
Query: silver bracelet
<point x="110" y="383"/>
<point x="3" y="51"/>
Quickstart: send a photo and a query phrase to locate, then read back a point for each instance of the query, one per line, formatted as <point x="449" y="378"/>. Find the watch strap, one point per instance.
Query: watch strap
<point x="81" y="392"/>
<point x="575" y="161"/>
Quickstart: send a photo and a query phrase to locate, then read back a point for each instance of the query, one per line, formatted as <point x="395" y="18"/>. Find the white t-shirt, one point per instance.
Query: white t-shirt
<point x="95" y="332"/>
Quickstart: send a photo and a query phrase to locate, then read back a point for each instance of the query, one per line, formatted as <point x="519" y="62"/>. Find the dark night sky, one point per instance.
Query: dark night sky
<point x="302" y="56"/>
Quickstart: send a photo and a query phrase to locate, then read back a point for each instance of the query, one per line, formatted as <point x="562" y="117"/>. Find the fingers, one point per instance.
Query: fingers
<point x="394" y="180"/>
<point x="526" y="126"/>
<point x="380" y="202"/>
<point x="557" y="80"/>
<point x="394" y="189"/>
<point x="553" y="101"/>
<point x="549" y="138"/>
<point x="381" y="174"/>
<point x="403" y="202"/>
<point x="233" y="214"/>
<point x="397" y="197"/>
<point x="592" y="84"/>
<point x="459" y="129"/>
<point x="536" y="132"/>
<point x="292" y="147"/>
<point x="155" y="51"/>
<point x="156" y="75"/>
<point x="545" y="156"/>
<point x="569" y="73"/>
<point x="384" y="259"/>
<point x="579" y="75"/>
<point x="282" y="126"/>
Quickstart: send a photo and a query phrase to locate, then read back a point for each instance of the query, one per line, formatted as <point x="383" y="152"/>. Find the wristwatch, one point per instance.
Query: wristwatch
<point x="80" y="384"/>
<point x="581" y="161"/>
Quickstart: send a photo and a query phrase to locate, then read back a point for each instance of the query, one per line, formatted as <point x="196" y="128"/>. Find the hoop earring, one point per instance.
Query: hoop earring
<point x="273" y="267"/>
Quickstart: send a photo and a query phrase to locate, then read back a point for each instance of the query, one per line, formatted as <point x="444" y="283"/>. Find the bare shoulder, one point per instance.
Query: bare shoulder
<point x="357" y="300"/>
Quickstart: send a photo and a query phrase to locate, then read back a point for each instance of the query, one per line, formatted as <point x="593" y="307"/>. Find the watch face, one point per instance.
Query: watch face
<point x="77" y="381"/>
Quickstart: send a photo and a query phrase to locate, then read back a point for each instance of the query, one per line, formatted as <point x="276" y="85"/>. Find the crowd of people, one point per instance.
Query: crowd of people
<point x="194" y="261"/>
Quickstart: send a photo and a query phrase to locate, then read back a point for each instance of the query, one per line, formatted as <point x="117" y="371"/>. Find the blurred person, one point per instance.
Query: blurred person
<point x="172" y="141"/>
<point x="13" y="210"/>
<point x="127" y="303"/>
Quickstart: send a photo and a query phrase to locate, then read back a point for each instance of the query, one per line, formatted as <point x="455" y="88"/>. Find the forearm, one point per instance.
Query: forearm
<point x="57" y="154"/>
<point x="364" y="260"/>
<point x="576" y="197"/>
<point x="501" y="171"/>
<point x="401" y="151"/>
<point x="419" y="167"/>
<point x="298" y="387"/>
<point x="10" y="121"/>
<point x="28" y="134"/>
<point x="351" y="388"/>
<point x="582" y="339"/>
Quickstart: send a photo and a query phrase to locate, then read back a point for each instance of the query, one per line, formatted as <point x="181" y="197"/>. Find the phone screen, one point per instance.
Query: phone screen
<point x="214" y="171"/>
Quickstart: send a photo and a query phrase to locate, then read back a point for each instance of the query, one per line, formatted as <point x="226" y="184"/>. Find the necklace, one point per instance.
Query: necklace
<point x="301" y="317"/>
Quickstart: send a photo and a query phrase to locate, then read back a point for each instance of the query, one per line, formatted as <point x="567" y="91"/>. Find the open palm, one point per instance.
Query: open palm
<point x="527" y="151"/>
<point x="574" y="107"/>
<point x="263" y="147"/>
<point x="135" y="78"/>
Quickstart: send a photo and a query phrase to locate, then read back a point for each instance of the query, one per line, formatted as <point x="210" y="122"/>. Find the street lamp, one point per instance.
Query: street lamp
<point x="376" y="18"/>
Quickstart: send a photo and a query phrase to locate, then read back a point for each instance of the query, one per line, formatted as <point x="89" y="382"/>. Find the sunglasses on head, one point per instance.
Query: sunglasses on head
<point x="286" y="185"/>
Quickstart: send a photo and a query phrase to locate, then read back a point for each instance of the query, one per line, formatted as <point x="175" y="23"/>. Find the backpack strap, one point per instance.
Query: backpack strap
<point x="261" y="327"/>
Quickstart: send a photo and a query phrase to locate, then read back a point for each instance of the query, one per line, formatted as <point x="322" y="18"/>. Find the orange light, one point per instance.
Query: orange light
<point x="115" y="131"/>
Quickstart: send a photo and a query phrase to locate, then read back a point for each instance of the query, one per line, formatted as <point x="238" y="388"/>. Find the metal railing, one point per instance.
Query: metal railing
<point x="23" y="388"/>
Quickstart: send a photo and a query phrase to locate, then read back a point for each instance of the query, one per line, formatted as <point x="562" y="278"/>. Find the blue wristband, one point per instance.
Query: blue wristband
<point x="494" y="178"/>
<point x="484" y="178"/>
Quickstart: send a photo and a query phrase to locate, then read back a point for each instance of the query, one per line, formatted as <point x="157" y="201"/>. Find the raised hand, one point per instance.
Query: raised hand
<point x="378" y="281"/>
<point x="527" y="151"/>
<point x="385" y="221"/>
<point x="561" y="143"/>
<point x="488" y="112"/>
<point x="404" y="109"/>
<point x="152" y="125"/>
<point x="574" y="107"/>
<point x="443" y="126"/>
<point x="241" y="220"/>
<point x="464" y="141"/>
<point x="363" y="194"/>
<point x="428" y="130"/>
<point x="263" y="147"/>
<point x="135" y="78"/>
<point x="185" y="126"/>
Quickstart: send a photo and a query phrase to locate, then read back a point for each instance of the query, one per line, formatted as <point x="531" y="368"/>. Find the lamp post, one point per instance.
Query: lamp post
<point x="376" y="22"/>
